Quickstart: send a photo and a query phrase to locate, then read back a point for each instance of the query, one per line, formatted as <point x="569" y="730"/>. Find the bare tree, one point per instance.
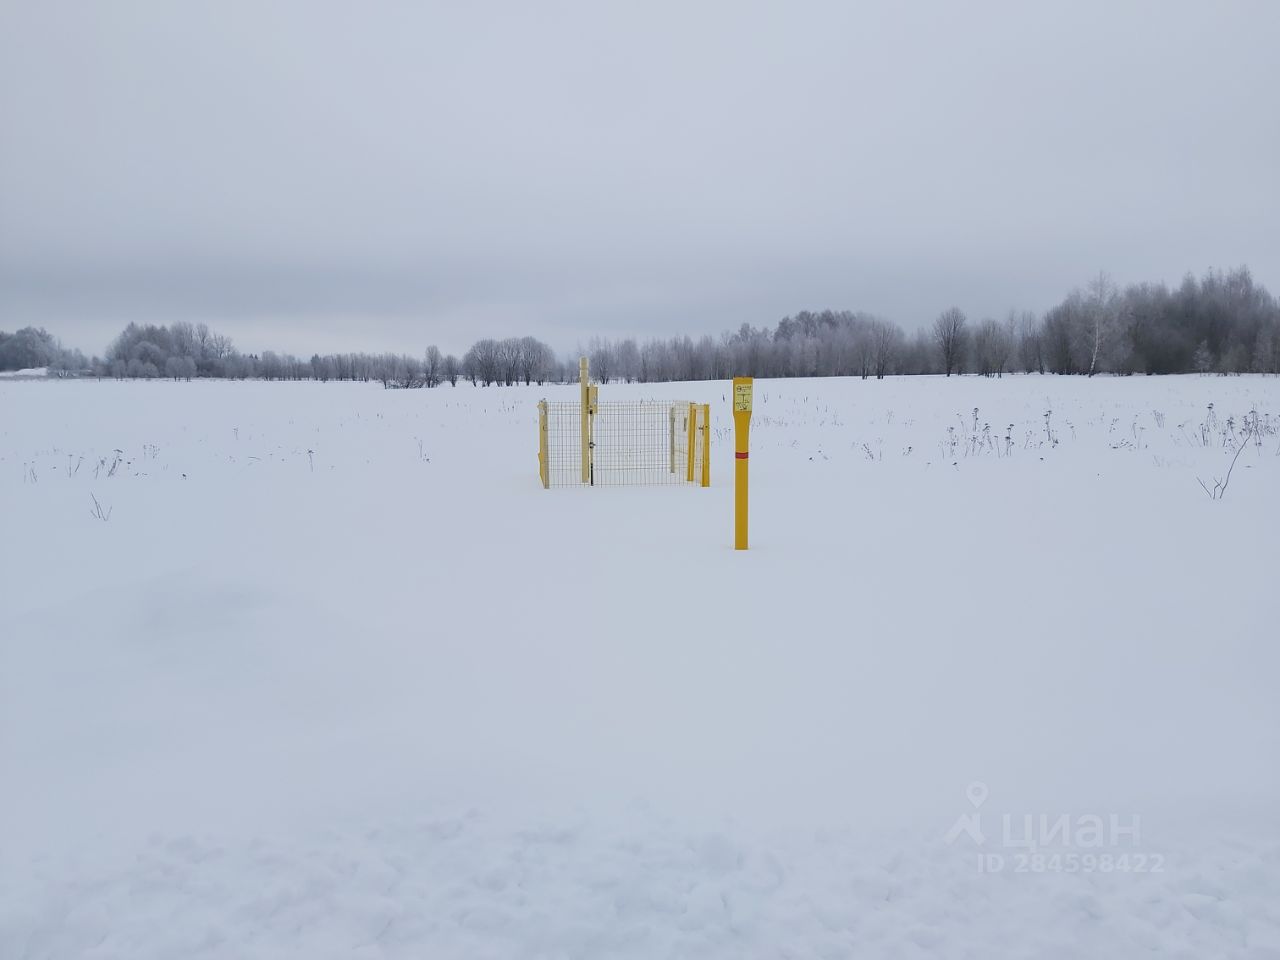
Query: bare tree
<point x="452" y="368"/>
<point x="600" y="355"/>
<point x="983" y="349"/>
<point x="992" y="344"/>
<point x="431" y="366"/>
<point x="536" y="360"/>
<point x="509" y="353"/>
<point x="1030" y="343"/>
<point x="481" y="363"/>
<point x="1061" y="327"/>
<point x="1202" y="360"/>
<point x="949" y="334"/>
<point x="627" y="355"/>
<point x="1099" y="318"/>
<point x="886" y="343"/>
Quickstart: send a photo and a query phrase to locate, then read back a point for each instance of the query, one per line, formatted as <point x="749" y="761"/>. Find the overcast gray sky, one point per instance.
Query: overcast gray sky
<point x="376" y="175"/>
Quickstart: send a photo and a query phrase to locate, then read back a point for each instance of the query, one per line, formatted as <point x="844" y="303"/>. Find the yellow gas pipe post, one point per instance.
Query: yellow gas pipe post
<point x="585" y="403"/>
<point x="693" y="427"/>
<point x="671" y="417"/>
<point x="707" y="444"/>
<point x="741" y="448"/>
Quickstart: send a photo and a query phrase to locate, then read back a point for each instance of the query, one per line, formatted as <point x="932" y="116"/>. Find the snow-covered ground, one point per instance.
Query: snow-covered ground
<point x="336" y="677"/>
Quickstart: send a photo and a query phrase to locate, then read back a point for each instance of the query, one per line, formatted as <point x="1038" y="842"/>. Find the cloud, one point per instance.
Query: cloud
<point x="369" y="175"/>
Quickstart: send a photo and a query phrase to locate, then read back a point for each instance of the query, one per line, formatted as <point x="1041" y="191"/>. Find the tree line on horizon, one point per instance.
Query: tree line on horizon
<point x="1221" y="323"/>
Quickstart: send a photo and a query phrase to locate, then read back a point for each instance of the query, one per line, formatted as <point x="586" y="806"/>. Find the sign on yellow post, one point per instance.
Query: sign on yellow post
<point x="741" y="447"/>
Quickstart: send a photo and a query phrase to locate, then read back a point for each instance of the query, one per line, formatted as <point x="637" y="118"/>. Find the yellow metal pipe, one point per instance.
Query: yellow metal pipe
<point x="584" y="403"/>
<point x="693" y="427"/>
<point x="706" y="444"/>
<point x="671" y="458"/>
<point x="742" y="389"/>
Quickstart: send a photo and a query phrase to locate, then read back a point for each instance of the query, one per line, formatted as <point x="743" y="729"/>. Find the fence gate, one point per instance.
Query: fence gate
<point x="623" y="443"/>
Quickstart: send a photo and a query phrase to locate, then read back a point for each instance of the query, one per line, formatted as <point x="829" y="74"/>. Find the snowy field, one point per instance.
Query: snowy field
<point x="329" y="675"/>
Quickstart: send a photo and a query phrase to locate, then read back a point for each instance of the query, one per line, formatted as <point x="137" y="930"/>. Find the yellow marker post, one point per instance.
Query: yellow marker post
<point x="584" y="380"/>
<point x="741" y="447"/>
<point x="690" y="447"/>
<point x="671" y="457"/>
<point x="706" y="444"/>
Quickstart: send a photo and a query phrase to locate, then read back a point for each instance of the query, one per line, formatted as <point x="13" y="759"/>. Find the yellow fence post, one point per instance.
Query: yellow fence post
<point x="741" y="448"/>
<point x="693" y="429"/>
<point x="671" y="458"/>
<point x="585" y="402"/>
<point x="706" y="444"/>
<point x="544" y="464"/>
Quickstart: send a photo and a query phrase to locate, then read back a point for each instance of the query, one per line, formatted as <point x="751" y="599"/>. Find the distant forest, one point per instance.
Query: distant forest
<point x="1223" y="323"/>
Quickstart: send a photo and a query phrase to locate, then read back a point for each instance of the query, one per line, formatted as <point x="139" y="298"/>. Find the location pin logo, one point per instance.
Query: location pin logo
<point x="977" y="793"/>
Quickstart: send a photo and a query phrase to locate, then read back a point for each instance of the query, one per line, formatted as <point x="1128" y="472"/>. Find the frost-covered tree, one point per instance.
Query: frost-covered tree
<point x="1223" y="321"/>
<point x="537" y="360"/>
<point x="1202" y="361"/>
<point x="1030" y="339"/>
<point x="627" y="356"/>
<point x="950" y="335"/>
<point x="432" y="366"/>
<point x="452" y="368"/>
<point x="33" y="347"/>
<point x="600" y="355"/>
<point x="990" y="349"/>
